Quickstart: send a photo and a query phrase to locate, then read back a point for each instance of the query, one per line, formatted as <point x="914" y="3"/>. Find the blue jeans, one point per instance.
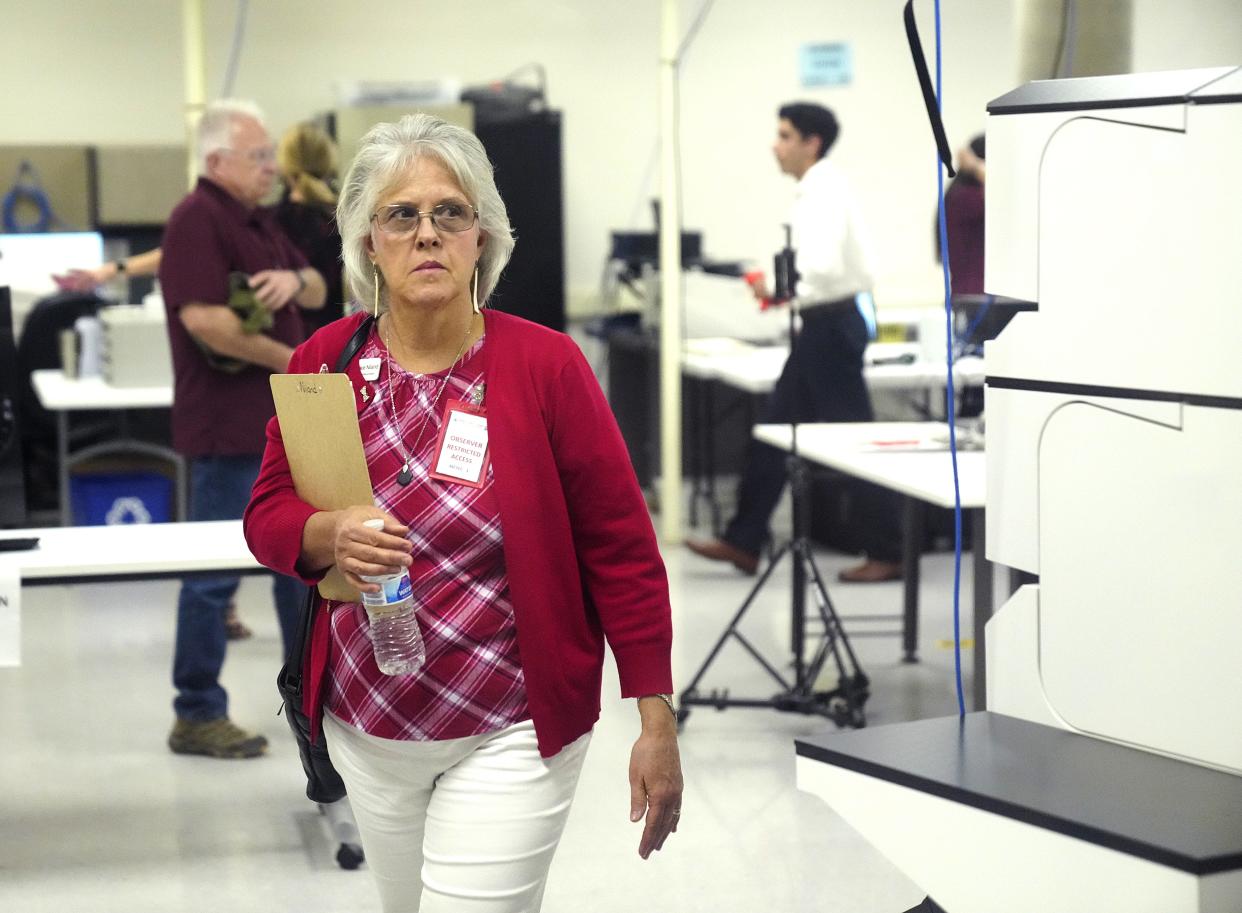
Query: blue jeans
<point x="219" y="490"/>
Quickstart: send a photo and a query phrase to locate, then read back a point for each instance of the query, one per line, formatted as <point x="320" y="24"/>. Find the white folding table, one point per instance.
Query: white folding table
<point x="62" y="395"/>
<point x="138" y="551"/>
<point x="913" y="459"/>
<point x="754" y="369"/>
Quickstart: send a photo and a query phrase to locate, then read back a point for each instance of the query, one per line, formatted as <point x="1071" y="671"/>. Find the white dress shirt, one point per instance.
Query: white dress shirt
<point x="828" y="237"/>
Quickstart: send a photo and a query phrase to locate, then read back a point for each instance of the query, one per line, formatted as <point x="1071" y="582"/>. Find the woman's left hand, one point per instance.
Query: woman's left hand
<point x="275" y="287"/>
<point x="655" y="775"/>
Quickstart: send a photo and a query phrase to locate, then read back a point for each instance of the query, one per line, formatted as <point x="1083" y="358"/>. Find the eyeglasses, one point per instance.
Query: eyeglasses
<point x="403" y="219"/>
<point x="264" y="155"/>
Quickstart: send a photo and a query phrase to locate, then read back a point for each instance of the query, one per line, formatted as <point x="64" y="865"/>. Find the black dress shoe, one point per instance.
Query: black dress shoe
<point x="719" y="550"/>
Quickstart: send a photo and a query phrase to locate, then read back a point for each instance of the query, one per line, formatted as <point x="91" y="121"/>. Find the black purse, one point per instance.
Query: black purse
<point x="323" y="783"/>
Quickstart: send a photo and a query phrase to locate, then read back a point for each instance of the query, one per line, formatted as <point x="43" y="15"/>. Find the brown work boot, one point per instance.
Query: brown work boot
<point x="871" y="572"/>
<point x="219" y="738"/>
<point x="719" y="550"/>
<point x="234" y="627"/>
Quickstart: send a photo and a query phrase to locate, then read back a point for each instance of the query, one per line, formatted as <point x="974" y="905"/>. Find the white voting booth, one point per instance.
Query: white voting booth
<point x="1115" y="420"/>
<point x="1106" y="773"/>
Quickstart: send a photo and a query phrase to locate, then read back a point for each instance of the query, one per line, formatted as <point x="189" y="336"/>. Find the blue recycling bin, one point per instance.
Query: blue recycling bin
<point x="115" y="498"/>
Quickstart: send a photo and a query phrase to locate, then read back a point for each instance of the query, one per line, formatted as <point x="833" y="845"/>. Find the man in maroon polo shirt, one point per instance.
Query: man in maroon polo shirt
<point x="219" y="414"/>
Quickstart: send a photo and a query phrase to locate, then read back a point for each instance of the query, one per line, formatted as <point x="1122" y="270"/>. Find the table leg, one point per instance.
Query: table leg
<point x="709" y="452"/>
<point x="183" y="501"/>
<point x="911" y="549"/>
<point x="62" y="459"/>
<point x="690" y="386"/>
<point x="983" y="603"/>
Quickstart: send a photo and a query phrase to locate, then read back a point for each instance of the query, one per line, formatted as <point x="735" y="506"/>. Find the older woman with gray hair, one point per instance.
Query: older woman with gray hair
<point x="523" y="563"/>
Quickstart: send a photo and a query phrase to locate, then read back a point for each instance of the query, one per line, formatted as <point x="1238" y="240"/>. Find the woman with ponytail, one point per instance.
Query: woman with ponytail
<point x="306" y="158"/>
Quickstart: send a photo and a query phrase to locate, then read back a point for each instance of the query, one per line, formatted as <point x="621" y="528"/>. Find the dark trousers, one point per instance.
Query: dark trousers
<point x="822" y="381"/>
<point x="219" y="490"/>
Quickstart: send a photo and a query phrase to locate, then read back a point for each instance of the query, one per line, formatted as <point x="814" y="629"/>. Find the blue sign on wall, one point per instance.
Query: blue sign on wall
<point x="829" y="64"/>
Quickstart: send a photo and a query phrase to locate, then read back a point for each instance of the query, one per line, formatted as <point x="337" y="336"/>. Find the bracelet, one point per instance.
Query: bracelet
<point x="668" y="702"/>
<point x="301" y="282"/>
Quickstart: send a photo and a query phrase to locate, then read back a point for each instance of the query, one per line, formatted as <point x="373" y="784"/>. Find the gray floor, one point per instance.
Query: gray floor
<point x="97" y="815"/>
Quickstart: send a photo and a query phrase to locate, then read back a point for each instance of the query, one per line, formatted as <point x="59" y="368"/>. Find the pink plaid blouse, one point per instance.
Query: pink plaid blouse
<point x="472" y="680"/>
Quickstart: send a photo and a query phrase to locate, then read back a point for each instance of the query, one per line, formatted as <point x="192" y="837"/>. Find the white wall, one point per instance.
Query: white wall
<point x="98" y="71"/>
<point x="1186" y="34"/>
<point x="745" y="64"/>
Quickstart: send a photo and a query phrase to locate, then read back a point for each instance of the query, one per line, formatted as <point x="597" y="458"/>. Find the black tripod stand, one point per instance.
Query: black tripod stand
<point x="844" y="703"/>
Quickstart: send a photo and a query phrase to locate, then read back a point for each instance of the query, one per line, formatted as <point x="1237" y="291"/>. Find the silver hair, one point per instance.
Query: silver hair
<point x="215" y="128"/>
<point x="384" y="154"/>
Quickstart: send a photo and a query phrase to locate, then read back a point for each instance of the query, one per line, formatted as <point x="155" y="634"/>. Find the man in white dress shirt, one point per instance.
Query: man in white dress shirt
<point x="822" y="380"/>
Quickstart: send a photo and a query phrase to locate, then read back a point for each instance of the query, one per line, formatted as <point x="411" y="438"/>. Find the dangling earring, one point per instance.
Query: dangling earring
<point x="474" y="291"/>
<point x="375" y="282"/>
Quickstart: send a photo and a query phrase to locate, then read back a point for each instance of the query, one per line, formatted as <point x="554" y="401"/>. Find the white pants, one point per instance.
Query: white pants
<point x="458" y="826"/>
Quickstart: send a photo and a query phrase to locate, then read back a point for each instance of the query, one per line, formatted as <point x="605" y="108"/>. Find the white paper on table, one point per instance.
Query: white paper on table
<point x="902" y="445"/>
<point x="10" y="615"/>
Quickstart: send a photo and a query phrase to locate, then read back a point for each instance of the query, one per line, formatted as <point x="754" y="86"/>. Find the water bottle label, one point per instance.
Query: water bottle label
<point x="393" y="592"/>
<point x="395" y="589"/>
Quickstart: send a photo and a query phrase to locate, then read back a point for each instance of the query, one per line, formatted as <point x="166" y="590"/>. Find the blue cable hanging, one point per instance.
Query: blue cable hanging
<point x="933" y="99"/>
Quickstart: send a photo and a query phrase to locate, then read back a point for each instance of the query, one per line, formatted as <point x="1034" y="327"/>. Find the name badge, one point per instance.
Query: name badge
<point x="461" y="453"/>
<point x="370" y="368"/>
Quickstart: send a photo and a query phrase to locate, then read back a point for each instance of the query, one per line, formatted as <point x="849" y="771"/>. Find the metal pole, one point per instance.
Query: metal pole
<point x="1064" y="38"/>
<point x="195" y="80"/>
<point x="670" y="285"/>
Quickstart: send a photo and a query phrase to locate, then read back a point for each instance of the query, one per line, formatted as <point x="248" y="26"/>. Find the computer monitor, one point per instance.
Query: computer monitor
<point x="28" y="262"/>
<point x="634" y="248"/>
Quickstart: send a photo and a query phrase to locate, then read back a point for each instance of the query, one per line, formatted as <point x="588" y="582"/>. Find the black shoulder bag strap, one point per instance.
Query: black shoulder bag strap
<point x="323" y="783"/>
<point x="354" y="344"/>
<point x="929" y="93"/>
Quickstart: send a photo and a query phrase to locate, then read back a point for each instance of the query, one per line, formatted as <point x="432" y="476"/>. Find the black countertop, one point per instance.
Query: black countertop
<point x="1213" y="85"/>
<point x="1163" y="810"/>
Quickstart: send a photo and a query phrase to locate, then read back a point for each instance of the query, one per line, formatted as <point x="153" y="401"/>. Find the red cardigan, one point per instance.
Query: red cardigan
<point x="580" y="551"/>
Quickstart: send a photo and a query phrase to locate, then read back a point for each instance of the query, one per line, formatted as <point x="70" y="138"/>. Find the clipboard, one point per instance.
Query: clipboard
<point x="319" y="424"/>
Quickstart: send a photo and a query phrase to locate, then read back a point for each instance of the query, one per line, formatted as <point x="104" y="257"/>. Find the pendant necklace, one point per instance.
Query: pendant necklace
<point x="406" y="475"/>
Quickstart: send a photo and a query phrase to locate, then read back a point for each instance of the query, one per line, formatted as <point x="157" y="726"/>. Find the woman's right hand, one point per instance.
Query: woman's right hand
<point x="360" y="551"/>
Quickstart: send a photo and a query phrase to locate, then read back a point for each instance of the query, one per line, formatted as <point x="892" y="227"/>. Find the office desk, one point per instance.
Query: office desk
<point x="62" y="395"/>
<point x="923" y="476"/>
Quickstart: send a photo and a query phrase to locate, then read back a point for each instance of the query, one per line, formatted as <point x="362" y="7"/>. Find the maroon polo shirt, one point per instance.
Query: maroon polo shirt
<point x="209" y="235"/>
<point x="963" y="217"/>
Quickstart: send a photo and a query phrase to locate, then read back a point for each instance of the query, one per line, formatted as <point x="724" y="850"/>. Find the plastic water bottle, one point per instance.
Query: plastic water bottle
<point x="395" y="636"/>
